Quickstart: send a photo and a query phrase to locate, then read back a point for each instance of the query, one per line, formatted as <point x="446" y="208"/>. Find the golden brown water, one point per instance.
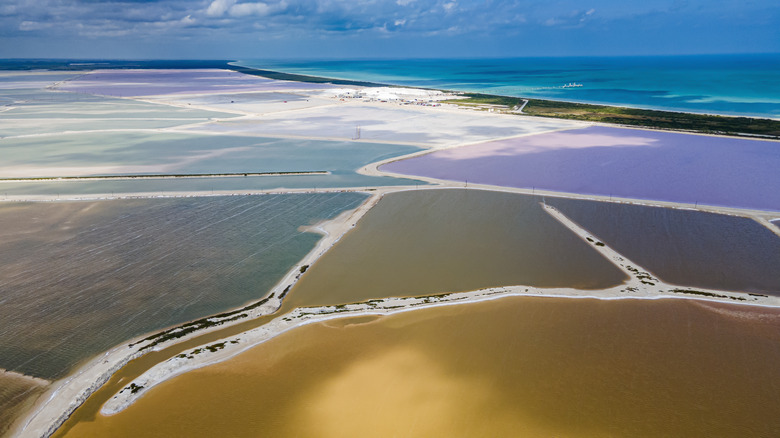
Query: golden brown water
<point x="431" y="241"/>
<point x="511" y="367"/>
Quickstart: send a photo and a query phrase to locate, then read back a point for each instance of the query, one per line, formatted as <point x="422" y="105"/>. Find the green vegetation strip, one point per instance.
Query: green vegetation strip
<point x="166" y="176"/>
<point x="705" y="294"/>
<point x="300" y="78"/>
<point x="200" y="324"/>
<point x="667" y="120"/>
<point x="677" y="121"/>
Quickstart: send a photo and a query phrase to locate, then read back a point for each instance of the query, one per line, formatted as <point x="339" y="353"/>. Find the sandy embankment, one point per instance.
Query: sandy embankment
<point x="65" y="395"/>
<point x="641" y="285"/>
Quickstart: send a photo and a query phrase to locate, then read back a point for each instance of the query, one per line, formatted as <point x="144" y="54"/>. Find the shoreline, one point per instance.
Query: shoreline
<point x="271" y="74"/>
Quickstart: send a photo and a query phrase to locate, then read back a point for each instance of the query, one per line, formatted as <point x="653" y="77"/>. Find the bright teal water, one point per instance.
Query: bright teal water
<point x="722" y="84"/>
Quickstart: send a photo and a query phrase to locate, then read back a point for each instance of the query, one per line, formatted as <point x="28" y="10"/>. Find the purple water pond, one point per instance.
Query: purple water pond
<point x="619" y="162"/>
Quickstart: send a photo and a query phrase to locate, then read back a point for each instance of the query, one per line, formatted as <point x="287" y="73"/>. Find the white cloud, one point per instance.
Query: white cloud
<point x="33" y="25"/>
<point x="400" y="22"/>
<point x="245" y="9"/>
<point x="403" y="2"/>
<point x="7" y="9"/>
<point x="217" y="8"/>
<point x="572" y="19"/>
<point x="188" y="20"/>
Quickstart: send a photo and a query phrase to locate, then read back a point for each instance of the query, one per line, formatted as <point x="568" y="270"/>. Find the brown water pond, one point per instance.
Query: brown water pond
<point x="511" y="367"/>
<point x="431" y="241"/>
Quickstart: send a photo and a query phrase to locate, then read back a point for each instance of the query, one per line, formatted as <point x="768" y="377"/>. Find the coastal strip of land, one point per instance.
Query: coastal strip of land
<point x="735" y="126"/>
<point x="669" y="120"/>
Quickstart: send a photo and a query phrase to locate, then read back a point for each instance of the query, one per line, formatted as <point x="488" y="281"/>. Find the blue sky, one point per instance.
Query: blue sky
<point x="241" y="29"/>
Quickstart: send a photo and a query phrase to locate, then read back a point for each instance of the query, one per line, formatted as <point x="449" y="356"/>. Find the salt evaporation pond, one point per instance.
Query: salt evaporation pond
<point x="423" y="242"/>
<point x="150" y="82"/>
<point x="251" y="102"/>
<point x="44" y="112"/>
<point x="685" y="247"/>
<point x="628" y="163"/>
<point x="387" y="123"/>
<point x="176" y="187"/>
<point x="83" y="154"/>
<point x="19" y="80"/>
<point x="523" y="366"/>
<point x="78" y="278"/>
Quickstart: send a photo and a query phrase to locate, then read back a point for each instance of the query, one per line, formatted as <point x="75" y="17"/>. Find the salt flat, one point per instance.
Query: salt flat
<point x="33" y="108"/>
<point x="148" y="82"/>
<point x="248" y="103"/>
<point x="388" y="122"/>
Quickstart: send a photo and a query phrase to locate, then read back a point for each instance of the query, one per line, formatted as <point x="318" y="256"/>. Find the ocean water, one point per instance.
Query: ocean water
<point x="747" y="85"/>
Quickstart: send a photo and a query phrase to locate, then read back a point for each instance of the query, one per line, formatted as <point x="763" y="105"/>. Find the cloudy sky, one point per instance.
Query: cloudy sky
<point x="242" y="29"/>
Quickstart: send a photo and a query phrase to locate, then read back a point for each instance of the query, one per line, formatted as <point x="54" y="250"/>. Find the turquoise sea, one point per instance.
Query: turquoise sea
<point x="747" y="85"/>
